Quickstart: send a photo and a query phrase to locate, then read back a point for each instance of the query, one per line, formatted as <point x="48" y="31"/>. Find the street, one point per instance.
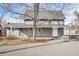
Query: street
<point x="60" y="49"/>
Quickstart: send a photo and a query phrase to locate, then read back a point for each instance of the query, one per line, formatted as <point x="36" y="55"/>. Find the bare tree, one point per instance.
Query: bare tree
<point x="76" y="26"/>
<point x="2" y="13"/>
<point x="10" y="8"/>
<point x="36" y="7"/>
<point x="1" y="18"/>
<point x="77" y="17"/>
<point x="57" y="6"/>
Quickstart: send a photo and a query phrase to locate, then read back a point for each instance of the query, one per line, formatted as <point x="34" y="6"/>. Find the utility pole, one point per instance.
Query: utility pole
<point x="36" y="8"/>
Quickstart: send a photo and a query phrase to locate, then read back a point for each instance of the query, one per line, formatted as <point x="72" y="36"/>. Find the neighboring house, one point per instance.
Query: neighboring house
<point x="2" y="31"/>
<point x="49" y="24"/>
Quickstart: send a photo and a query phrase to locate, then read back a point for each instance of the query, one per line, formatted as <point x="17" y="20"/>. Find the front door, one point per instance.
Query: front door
<point x="60" y="31"/>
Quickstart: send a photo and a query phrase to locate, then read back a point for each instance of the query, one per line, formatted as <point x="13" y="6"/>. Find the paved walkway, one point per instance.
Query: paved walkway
<point x="56" y="47"/>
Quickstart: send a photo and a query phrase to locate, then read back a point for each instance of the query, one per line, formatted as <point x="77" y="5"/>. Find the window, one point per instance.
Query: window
<point x="42" y="19"/>
<point x="49" y="21"/>
<point x="27" y="19"/>
<point x="39" y="29"/>
<point x="30" y="29"/>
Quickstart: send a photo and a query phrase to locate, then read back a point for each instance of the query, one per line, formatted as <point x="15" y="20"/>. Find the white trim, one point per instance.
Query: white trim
<point x="55" y="32"/>
<point x="52" y="31"/>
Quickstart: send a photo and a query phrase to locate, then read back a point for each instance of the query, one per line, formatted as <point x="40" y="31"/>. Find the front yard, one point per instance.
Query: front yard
<point x="8" y="41"/>
<point x="70" y="48"/>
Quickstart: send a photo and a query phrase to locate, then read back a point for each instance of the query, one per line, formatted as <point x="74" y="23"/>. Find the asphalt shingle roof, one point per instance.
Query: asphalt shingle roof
<point x="47" y="14"/>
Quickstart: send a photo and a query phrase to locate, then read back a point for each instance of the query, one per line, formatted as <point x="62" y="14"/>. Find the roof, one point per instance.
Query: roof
<point x="23" y="25"/>
<point x="47" y="14"/>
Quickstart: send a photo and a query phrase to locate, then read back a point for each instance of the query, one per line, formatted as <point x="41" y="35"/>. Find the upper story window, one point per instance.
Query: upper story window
<point x="42" y="19"/>
<point x="57" y="19"/>
<point x="27" y="20"/>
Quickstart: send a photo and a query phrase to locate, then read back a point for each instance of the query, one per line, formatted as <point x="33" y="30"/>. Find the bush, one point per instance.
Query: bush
<point x="11" y="37"/>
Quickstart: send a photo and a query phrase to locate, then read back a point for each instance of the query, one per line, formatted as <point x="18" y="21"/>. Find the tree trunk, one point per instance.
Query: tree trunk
<point x="36" y="7"/>
<point x="34" y="30"/>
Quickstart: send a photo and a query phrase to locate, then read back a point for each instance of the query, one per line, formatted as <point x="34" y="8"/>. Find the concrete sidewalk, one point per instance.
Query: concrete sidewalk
<point x="6" y="49"/>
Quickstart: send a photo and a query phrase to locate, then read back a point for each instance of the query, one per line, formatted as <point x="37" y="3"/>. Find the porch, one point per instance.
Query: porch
<point x="41" y="33"/>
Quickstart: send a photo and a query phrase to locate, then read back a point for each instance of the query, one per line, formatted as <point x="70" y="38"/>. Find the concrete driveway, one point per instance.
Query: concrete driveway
<point x="60" y="49"/>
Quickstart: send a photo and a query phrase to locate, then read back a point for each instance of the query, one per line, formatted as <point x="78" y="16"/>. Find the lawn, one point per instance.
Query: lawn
<point x="8" y="41"/>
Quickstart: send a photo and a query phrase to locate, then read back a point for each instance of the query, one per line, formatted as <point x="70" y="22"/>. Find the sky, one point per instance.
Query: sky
<point x="68" y="10"/>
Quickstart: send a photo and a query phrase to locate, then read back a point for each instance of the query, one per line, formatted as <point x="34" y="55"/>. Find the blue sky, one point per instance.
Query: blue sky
<point x="68" y="11"/>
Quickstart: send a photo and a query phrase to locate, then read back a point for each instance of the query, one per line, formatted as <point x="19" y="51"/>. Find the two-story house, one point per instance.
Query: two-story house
<point x="50" y="24"/>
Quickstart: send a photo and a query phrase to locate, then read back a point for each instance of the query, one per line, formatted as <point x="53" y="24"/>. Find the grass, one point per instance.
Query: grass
<point x="11" y="40"/>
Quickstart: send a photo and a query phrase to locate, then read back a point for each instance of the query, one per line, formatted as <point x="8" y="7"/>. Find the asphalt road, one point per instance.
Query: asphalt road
<point x="60" y="49"/>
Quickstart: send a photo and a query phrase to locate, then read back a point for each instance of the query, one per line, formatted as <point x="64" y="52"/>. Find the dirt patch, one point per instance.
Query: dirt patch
<point x="9" y="42"/>
<point x="1" y="39"/>
<point x="11" y="38"/>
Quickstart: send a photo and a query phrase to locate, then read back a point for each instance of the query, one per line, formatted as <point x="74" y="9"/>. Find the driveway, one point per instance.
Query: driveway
<point x="60" y="49"/>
